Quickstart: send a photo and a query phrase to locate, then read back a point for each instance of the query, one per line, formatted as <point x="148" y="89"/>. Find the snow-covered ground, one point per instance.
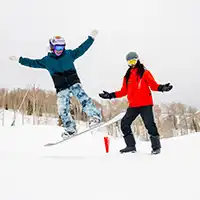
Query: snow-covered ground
<point x="8" y="116"/>
<point x="81" y="169"/>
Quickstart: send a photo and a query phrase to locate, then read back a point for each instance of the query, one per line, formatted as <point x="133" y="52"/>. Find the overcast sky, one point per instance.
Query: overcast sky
<point x="165" y="34"/>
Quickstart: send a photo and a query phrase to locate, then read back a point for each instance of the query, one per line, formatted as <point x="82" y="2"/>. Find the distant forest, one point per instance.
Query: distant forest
<point x="172" y="119"/>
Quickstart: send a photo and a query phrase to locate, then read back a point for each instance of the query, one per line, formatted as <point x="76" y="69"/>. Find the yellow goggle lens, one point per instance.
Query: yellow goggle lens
<point x="132" y="62"/>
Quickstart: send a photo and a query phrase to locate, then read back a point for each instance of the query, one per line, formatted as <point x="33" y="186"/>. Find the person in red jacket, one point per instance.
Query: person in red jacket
<point x="137" y="85"/>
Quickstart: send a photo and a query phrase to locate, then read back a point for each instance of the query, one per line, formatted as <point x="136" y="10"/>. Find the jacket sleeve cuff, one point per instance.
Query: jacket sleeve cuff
<point x="20" y="59"/>
<point x="160" y="88"/>
<point x="112" y="95"/>
<point x="90" y="38"/>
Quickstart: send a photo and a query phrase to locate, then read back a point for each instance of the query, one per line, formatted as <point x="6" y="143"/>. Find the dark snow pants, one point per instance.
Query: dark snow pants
<point x="146" y="113"/>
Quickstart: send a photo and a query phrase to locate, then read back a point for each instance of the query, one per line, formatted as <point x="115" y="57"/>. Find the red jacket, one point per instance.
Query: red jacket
<point x="138" y="89"/>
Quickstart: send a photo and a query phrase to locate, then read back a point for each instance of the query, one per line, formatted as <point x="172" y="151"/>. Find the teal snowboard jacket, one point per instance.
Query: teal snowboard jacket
<point x="61" y="68"/>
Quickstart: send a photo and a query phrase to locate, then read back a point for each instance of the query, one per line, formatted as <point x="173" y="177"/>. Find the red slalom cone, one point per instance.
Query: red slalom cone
<point x="107" y="143"/>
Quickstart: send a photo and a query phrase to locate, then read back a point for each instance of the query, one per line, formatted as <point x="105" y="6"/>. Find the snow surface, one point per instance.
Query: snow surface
<point x="7" y="117"/>
<point x="81" y="169"/>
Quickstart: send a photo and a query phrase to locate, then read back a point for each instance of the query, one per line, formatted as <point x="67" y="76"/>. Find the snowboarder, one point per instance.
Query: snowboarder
<point x="136" y="83"/>
<point x="60" y="64"/>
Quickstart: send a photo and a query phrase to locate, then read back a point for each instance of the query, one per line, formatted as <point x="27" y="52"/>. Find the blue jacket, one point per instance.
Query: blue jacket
<point x="61" y="68"/>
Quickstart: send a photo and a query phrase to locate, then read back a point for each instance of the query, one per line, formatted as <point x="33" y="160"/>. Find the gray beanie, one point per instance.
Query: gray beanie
<point x="131" y="55"/>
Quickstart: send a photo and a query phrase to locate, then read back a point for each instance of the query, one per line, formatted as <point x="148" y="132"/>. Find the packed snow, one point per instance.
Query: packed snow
<point x="81" y="169"/>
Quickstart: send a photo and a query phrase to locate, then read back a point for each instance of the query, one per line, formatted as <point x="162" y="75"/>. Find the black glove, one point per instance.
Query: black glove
<point x="165" y="88"/>
<point x="107" y="95"/>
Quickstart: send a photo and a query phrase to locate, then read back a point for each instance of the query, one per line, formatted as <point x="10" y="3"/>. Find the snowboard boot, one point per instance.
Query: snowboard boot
<point x="155" y="144"/>
<point x="130" y="144"/>
<point x="93" y="121"/>
<point x="68" y="133"/>
<point x="154" y="152"/>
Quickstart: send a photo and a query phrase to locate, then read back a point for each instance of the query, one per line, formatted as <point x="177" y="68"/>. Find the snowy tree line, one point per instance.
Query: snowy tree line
<point x="172" y="119"/>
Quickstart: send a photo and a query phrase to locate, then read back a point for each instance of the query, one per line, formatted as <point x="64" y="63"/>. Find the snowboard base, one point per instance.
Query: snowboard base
<point x="95" y="127"/>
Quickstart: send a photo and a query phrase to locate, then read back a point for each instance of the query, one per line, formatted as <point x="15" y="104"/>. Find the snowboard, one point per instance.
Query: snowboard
<point x="93" y="128"/>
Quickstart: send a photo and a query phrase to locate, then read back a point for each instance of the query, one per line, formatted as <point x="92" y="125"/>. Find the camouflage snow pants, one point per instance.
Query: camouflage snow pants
<point x="63" y="103"/>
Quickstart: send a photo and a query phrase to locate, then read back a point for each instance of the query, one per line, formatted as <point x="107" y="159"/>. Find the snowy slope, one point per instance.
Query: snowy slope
<point x="80" y="168"/>
<point x="7" y="117"/>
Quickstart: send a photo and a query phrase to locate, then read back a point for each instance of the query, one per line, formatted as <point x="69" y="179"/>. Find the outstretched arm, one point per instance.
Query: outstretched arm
<point x="117" y="94"/>
<point x="154" y="85"/>
<point x="34" y="63"/>
<point x="79" y="51"/>
<point x="123" y="91"/>
<point x="151" y="81"/>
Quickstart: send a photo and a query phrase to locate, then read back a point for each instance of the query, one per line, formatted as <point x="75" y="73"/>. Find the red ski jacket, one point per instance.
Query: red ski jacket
<point x="138" y="89"/>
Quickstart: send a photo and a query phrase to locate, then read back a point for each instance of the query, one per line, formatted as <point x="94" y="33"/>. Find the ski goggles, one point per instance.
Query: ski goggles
<point x="59" y="48"/>
<point x="132" y="61"/>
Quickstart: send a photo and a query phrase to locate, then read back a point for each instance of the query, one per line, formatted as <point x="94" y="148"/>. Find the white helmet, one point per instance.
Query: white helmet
<point x="57" y="40"/>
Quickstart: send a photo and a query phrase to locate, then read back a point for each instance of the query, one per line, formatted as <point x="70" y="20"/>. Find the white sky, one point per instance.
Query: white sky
<point x="165" y="33"/>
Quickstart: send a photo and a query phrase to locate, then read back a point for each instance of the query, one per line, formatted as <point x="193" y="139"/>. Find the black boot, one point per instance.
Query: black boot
<point x="155" y="144"/>
<point x="157" y="151"/>
<point x="130" y="144"/>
